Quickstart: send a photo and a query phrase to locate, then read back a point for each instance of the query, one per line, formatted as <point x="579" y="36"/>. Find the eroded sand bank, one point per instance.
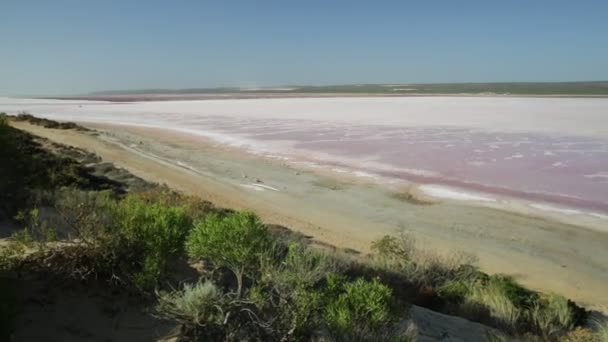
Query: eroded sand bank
<point x="350" y="212"/>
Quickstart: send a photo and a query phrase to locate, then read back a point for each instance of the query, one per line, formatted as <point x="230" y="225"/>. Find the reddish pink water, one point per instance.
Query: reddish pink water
<point x="562" y="169"/>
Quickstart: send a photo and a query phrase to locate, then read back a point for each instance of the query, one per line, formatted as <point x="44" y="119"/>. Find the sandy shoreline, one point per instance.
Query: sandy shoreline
<point x="542" y="253"/>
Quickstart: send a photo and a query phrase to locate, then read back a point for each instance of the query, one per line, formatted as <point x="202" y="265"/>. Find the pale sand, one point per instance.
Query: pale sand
<point x="341" y="210"/>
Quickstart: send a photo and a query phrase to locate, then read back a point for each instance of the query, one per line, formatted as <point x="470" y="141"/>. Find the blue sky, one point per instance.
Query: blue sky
<point x="68" y="47"/>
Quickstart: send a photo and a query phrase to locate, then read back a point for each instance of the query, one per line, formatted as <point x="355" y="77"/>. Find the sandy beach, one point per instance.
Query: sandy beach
<point x="350" y="212"/>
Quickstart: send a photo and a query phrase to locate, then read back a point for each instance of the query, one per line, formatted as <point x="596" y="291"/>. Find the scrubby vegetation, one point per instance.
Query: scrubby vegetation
<point x="226" y="276"/>
<point x="46" y="123"/>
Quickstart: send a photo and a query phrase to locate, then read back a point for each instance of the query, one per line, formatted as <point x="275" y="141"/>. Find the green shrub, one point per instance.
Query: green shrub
<point x="362" y="307"/>
<point x="200" y="303"/>
<point x="153" y="234"/>
<point x="300" y="267"/>
<point x="235" y="241"/>
<point x="396" y="251"/>
<point x="289" y="289"/>
<point x="89" y="215"/>
<point x="195" y="207"/>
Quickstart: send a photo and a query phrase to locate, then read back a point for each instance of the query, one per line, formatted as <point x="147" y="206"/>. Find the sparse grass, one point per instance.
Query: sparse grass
<point x="420" y="266"/>
<point x="494" y="298"/>
<point x="199" y="303"/>
<point x="601" y="330"/>
<point x="552" y="316"/>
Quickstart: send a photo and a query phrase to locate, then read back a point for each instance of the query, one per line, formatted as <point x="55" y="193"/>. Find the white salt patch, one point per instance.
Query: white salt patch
<point x="418" y="172"/>
<point x="268" y="187"/>
<point x="549" y="153"/>
<point x="252" y="187"/>
<point x="546" y="207"/>
<point x="597" y="175"/>
<point x="258" y="187"/>
<point x="558" y="164"/>
<point x="339" y="170"/>
<point x="364" y="174"/>
<point x="600" y="216"/>
<point x="184" y="165"/>
<point x="515" y="156"/>
<point x="454" y="194"/>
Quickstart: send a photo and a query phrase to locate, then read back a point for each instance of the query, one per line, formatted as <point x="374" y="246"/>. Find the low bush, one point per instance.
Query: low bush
<point x="153" y="233"/>
<point x="289" y="291"/>
<point x="363" y="312"/>
<point x="200" y="303"/>
<point x="127" y="241"/>
<point x="47" y="123"/>
<point x="195" y="207"/>
<point x="235" y="241"/>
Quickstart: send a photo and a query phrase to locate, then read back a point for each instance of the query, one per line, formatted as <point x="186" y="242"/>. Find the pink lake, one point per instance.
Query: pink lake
<point x="542" y="149"/>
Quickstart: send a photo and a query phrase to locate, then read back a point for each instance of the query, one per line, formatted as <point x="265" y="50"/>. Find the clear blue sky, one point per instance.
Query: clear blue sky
<point x="67" y="47"/>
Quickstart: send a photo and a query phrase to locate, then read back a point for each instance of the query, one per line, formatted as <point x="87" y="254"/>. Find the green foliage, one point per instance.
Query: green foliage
<point x="515" y="308"/>
<point x="236" y="241"/>
<point x="27" y="166"/>
<point x="153" y="233"/>
<point x="200" y="303"/>
<point x="552" y="316"/>
<point x="195" y="207"/>
<point x="289" y="287"/>
<point x="129" y="241"/>
<point x="493" y="298"/>
<point x="301" y="267"/>
<point x="516" y="293"/>
<point x="362" y="306"/>
<point x="36" y="231"/>
<point x="394" y="250"/>
<point x="422" y="268"/>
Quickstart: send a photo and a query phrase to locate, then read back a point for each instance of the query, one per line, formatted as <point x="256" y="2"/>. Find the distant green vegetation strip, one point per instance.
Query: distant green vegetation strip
<point x="597" y="88"/>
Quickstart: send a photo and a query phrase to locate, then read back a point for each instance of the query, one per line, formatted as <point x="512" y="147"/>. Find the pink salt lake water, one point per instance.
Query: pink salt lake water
<point x="551" y="150"/>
